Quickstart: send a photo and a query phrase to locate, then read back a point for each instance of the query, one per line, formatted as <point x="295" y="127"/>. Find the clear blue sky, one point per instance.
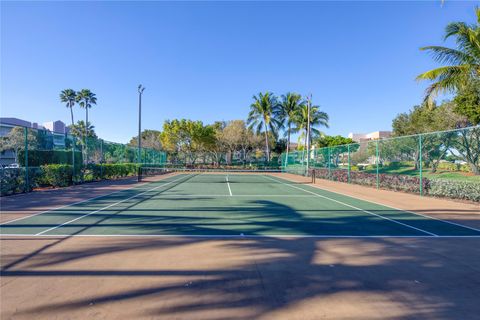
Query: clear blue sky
<point x="205" y="60"/>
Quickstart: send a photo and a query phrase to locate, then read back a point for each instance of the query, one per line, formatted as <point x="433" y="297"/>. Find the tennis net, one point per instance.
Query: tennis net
<point x="222" y="175"/>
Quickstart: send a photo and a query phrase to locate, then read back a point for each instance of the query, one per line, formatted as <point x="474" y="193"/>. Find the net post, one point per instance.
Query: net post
<point x="420" y="167"/>
<point x="348" y="168"/>
<point x="377" y="161"/>
<point x="26" y="158"/>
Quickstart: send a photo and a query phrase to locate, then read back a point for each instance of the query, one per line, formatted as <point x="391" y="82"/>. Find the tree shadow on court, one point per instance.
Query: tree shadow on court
<point x="308" y="278"/>
<point x="124" y="196"/>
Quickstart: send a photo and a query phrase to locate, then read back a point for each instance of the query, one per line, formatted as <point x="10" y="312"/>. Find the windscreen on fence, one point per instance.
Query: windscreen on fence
<point x="445" y="163"/>
<point x="35" y="158"/>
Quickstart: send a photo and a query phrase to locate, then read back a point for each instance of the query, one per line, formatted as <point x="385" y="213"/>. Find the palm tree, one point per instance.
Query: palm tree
<point x="463" y="63"/>
<point x="79" y="130"/>
<point x="86" y="99"/>
<point x="264" y="114"/>
<point x="317" y="119"/>
<point x="289" y="108"/>
<point x="69" y="96"/>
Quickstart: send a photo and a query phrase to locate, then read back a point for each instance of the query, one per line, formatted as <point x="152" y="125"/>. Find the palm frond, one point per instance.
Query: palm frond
<point x="447" y="55"/>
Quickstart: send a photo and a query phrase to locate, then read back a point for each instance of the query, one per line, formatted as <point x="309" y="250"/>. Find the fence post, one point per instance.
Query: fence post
<point x="329" y="160"/>
<point x="73" y="159"/>
<point x="26" y="159"/>
<point x="348" y="151"/>
<point x="377" y="161"/>
<point x="420" y="166"/>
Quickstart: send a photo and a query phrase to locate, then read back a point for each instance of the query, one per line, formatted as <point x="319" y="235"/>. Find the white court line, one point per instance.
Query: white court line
<point x="111" y="205"/>
<point x="388" y="206"/>
<point x="232" y="236"/>
<point x="348" y="205"/>
<point x="163" y="195"/>
<point x="412" y="212"/>
<point x="78" y="202"/>
<point x="228" y="184"/>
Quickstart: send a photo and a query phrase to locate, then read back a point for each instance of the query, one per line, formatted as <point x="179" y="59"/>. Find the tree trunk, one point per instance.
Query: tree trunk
<point x="288" y="137"/>
<point x="86" y="134"/>
<point x="71" y="114"/>
<point x="266" y="143"/>
<point x="306" y="137"/>
<point x="73" y="144"/>
<point x="475" y="169"/>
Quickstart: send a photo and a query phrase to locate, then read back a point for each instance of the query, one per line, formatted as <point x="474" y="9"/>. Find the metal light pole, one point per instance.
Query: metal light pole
<point x="309" y="98"/>
<point x="140" y="92"/>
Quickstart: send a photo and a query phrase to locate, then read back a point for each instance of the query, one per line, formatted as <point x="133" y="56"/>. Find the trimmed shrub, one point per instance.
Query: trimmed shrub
<point x="56" y="175"/>
<point x="466" y="190"/>
<point x="12" y="180"/>
<point x="394" y="182"/>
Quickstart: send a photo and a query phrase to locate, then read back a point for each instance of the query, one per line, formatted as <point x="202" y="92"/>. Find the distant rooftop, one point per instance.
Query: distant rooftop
<point x="53" y="126"/>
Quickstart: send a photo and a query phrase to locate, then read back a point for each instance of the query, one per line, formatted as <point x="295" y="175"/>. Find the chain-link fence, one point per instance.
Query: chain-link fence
<point x="445" y="163"/>
<point x="35" y="158"/>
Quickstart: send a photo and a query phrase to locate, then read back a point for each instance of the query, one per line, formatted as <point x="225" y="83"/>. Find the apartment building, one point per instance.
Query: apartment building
<point x="56" y="129"/>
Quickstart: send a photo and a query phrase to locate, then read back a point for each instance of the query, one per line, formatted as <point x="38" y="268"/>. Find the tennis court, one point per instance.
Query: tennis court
<point x="231" y="204"/>
<point x="235" y="245"/>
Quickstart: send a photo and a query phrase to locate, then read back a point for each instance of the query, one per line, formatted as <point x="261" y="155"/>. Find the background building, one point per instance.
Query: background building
<point x="358" y="137"/>
<point x="57" y="130"/>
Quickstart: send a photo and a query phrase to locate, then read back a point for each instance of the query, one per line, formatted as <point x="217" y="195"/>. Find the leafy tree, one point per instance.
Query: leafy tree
<point x="15" y="140"/>
<point x="463" y="63"/>
<point x="150" y="139"/>
<point x="425" y="119"/>
<point x="468" y="147"/>
<point x="467" y="103"/>
<point x="263" y="114"/>
<point x="280" y="146"/>
<point x="331" y="141"/>
<point x="188" y="137"/>
<point x="289" y="107"/>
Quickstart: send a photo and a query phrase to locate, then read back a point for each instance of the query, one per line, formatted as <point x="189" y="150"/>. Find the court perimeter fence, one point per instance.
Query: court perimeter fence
<point x="443" y="164"/>
<point x="35" y="158"/>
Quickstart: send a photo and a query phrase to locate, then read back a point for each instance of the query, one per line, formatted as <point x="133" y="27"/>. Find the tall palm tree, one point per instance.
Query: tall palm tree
<point x="69" y="96"/>
<point x="317" y="119"/>
<point x="463" y="63"/>
<point x="289" y="108"/>
<point x="86" y="99"/>
<point x="264" y="115"/>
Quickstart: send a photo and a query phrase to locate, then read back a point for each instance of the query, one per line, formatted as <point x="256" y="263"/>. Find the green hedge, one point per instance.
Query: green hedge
<point x="13" y="180"/>
<point x="38" y="158"/>
<point x="55" y="175"/>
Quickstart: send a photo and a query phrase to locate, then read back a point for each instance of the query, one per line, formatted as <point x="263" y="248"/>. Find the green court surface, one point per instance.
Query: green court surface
<point x="231" y="205"/>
